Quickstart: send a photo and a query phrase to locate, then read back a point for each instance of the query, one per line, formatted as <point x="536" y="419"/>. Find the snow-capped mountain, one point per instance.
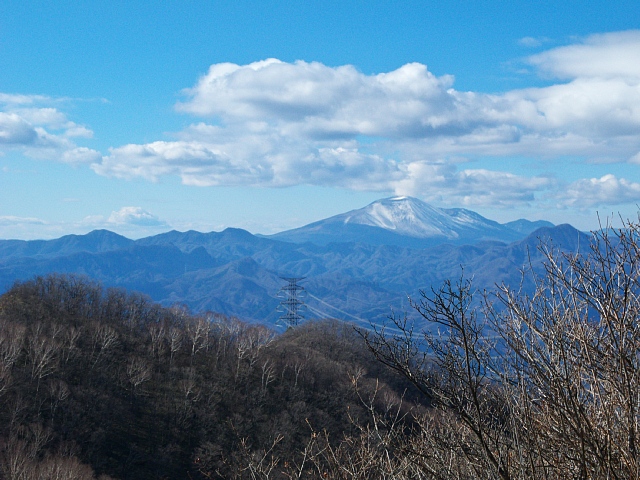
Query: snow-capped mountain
<point x="415" y="218"/>
<point x="404" y="221"/>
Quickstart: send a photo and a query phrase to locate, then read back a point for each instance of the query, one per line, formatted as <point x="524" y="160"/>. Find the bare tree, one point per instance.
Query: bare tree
<point x="452" y="370"/>
<point x="16" y="459"/>
<point x="42" y="352"/>
<point x="70" y="338"/>
<point x="105" y="339"/>
<point x="375" y="449"/>
<point x="573" y="369"/>
<point x="198" y="331"/>
<point x="175" y="338"/>
<point x="545" y="385"/>
<point x="59" y="392"/>
<point x="63" y="468"/>
<point x="11" y="342"/>
<point x="138" y="371"/>
<point x="268" y="375"/>
<point x="157" y="332"/>
<point x="249" y="341"/>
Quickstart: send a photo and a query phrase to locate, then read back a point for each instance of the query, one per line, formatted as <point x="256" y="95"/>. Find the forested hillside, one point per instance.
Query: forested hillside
<point x="106" y="381"/>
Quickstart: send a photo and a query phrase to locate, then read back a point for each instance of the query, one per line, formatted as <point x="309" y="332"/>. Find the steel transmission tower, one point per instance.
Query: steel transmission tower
<point x="291" y="306"/>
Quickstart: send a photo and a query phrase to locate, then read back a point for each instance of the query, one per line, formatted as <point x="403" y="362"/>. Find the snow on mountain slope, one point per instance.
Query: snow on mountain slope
<point x="401" y="221"/>
<point x="415" y="218"/>
<point x="403" y="215"/>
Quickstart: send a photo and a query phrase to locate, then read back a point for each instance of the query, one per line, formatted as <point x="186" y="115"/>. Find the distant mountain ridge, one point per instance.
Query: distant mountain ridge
<point x="237" y="273"/>
<point x="408" y="221"/>
<point x="94" y="242"/>
<point x="526" y="227"/>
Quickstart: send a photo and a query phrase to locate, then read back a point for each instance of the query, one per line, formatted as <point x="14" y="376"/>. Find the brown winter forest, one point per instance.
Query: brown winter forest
<point x="102" y="383"/>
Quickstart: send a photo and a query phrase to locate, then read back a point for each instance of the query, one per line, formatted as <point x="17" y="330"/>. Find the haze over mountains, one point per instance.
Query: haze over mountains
<point x="358" y="266"/>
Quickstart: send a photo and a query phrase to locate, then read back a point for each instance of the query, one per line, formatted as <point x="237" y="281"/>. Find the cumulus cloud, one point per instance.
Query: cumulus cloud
<point x="273" y="123"/>
<point x="444" y="183"/>
<point x="156" y="159"/>
<point x="265" y="162"/>
<point x="41" y="131"/>
<point x="15" y="130"/>
<point x="317" y="102"/>
<point x="320" y="102"/>
<point x="134" y="216"/>
<point x="48" y="116"/>
<point x="594" y="192"/>
<point x="80" y="155"/>
<point x="610" y="55"/>
<point x="323" y="102"/>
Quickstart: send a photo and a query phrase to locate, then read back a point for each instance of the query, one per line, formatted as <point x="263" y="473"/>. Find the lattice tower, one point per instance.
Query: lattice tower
<point x="292" y="305"/>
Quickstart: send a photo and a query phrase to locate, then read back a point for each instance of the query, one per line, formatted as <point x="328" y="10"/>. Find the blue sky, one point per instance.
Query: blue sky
<point x="142" y="117"/>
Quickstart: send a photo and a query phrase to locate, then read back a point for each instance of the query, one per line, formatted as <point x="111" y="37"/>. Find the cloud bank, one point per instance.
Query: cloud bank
<point x="133" y="222"/>
<point x="272" y="123"/>
<point x="277" y="124"/>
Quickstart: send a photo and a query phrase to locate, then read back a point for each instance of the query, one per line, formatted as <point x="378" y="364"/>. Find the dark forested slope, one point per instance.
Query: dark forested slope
<point x="105" y="382"/>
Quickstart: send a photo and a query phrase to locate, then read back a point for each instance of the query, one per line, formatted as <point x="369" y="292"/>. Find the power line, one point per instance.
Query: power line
<point x="338" y="309"/>
<point x="292" y="306"/>
<point x="364" y="324"/>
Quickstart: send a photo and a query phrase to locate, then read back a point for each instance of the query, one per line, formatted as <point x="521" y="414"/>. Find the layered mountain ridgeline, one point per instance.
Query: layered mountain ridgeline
<point x="104" y="382"/>
<point x="236" y="273"/>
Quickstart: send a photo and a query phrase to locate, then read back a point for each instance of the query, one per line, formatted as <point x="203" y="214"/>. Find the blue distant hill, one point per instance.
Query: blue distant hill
<point x="359" y="266"/>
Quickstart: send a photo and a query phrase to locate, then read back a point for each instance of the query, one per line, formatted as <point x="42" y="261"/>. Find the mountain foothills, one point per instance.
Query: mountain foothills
<point x="359" y="266"/>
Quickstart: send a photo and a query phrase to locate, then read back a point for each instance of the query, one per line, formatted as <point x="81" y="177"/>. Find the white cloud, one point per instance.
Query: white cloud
<point x="317" y="101"/>
<point x="21" y="227"/>
<point x="20" y="99"/>
<point x="444" y="183"/>
<point x="635" y="159"/>
<point x="9" y="220"/>
<point x="48" y="116"/>
<point x="263" y="161"/>
<point x="132" y="222"/>
<point x="532" y="42"/>
<point x="134" y="216"/>
<point x="74" y="130"/>
<point x="594" y="192"/>
<point x="613" y="55"/>
<point x="80" y="155"/>
<point x="272" y="123"/>
<point x="41" y="131"/>
<point x="321" y="103"/>
<point x="15" y="130"/>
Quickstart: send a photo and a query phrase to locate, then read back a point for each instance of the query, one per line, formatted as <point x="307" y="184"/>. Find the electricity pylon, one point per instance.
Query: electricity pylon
<point x="291" y="305"/>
